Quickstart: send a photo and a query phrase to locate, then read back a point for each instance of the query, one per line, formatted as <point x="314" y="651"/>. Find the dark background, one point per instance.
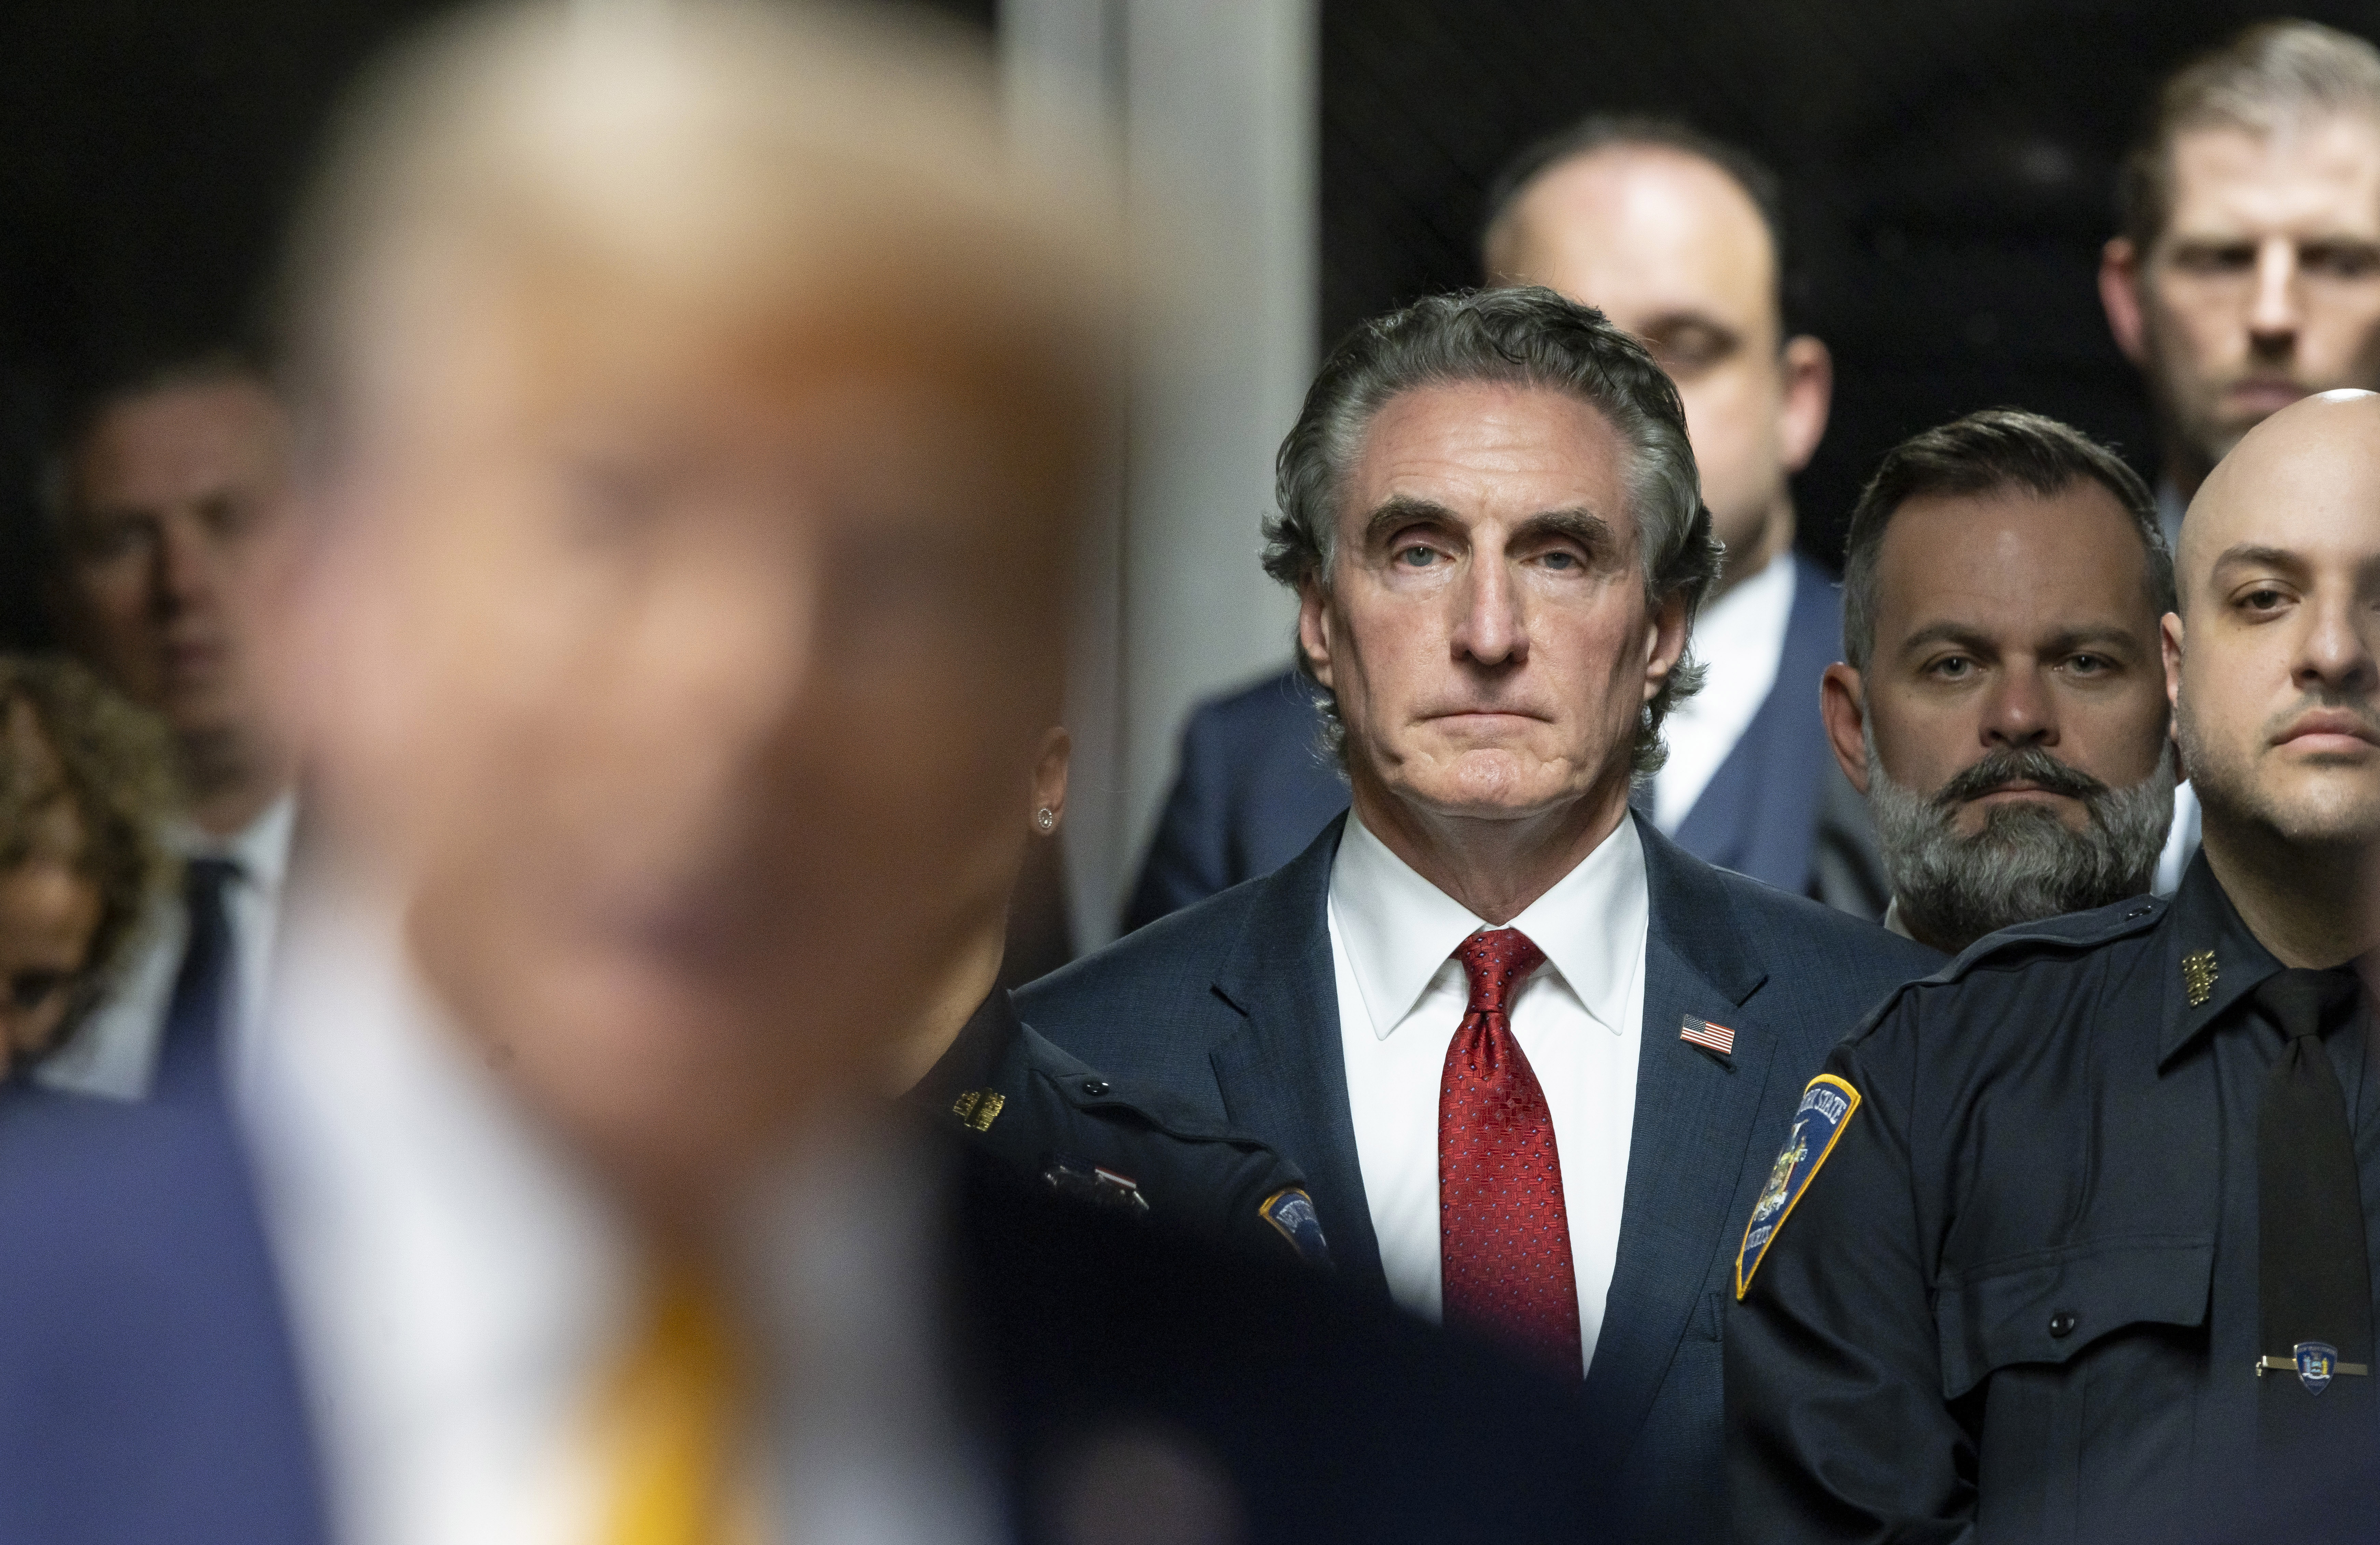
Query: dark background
<point x="1951" y="168"/>
<point x="1950" y="165"/>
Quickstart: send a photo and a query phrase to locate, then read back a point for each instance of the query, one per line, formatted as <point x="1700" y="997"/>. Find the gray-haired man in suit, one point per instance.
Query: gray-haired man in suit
<point x="1532" y="1055"/>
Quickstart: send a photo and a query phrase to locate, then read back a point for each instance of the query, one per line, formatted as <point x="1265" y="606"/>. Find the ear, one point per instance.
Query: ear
<point x="2120" y="295"/>
<point x="1050" y="766"/>
<point x="1314" y="629"/>
<point x="1665" y="643"/>
<point x="1842" y="703"/>
<point x="1808" y="373"/>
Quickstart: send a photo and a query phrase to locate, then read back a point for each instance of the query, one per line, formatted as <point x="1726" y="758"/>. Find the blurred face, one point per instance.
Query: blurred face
<point x="1672" y="250"/>
<point x="2265" y="285"/>
<point x="177" y="547"/>
<point x="683" y="670"/>
<point x="2010" y="730"/>
<point x="1485" y="628"/>
<point x="49" y="914"/>
<point x="2007" y="624"/>
<point x="2275" y="701"/>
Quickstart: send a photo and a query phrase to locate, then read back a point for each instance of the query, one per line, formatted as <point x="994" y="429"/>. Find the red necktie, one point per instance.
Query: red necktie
<point x="1505" y="1259"/>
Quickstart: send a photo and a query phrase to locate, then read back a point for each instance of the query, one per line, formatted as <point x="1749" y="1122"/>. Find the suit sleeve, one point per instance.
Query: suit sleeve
<point x="1837" y="1426"/>
<point x="1187" y="860"/>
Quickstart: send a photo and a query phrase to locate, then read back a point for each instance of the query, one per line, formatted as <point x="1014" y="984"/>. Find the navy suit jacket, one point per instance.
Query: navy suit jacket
<point x="1254" y="785"/>
<point x="149" y="1389"/>
<point x="1233" y="1005"/>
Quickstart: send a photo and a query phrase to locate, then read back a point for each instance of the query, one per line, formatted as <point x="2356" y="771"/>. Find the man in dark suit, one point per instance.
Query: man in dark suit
<point x="1680" y="239"/>
<point x="1490" y="515"/>
<point x="700" y="398"/>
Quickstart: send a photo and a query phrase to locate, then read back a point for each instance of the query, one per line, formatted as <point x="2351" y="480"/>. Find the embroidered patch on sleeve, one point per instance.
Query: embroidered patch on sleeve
<point x="1826" y="1106"/>
<point x="1291" y="1211"/>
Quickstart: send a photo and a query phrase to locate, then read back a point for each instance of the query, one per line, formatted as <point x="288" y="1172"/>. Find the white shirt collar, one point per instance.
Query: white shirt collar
<point x="261" y="848"/>
<point x="1398" y="929"/>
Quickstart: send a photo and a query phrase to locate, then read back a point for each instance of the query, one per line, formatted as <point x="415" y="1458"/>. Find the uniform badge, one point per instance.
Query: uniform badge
<point x="978" y="1107"/>
<point x="2317" y="1360"/>
<point x="1291" y="1211"/>
<point x="1090" y="1183"/>
<point x="2198" y="977"/>
<point x="1827" y="1105"/>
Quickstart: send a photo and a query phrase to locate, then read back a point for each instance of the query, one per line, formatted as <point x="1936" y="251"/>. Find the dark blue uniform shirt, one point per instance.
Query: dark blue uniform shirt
<point x="2017" y="1297"/>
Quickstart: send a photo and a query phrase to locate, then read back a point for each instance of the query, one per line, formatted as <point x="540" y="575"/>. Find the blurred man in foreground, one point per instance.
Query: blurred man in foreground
<point x="695" y="398"/>
<point x="2002" y="705"/>
<point x="2247" y="271"/>
<point x="1492" y="966"/>
<point x="170" y="505"/>
<point x="1680" y="239"/>
<point x="2090" y="1255"/>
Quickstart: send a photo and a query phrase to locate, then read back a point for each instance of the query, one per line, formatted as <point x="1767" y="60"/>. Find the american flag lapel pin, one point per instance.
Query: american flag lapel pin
<point x="1716" y="1039"/>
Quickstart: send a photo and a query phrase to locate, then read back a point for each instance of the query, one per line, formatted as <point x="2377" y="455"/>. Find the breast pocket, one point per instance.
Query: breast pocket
<point x="2080" y="1363"/>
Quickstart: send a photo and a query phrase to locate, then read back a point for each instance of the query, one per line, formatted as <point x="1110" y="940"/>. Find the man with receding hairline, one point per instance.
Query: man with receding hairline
<point x="2077" y="1239"/>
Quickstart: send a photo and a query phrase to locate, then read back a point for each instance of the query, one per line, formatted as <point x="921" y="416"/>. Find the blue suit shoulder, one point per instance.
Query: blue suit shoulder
<point x="1157" y="982"/>
<point x="149" y="1387"/>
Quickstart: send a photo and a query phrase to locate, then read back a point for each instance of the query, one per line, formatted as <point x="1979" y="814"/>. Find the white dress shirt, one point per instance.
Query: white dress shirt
<point x="459" y="1292"/>
<point x="1579" y="1020"/>
<point x="1740" y="638"/>
<point x="112" y="1050"/>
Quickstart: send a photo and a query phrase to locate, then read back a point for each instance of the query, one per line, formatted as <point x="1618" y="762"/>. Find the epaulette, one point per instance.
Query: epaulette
<point x="2069" y="934"/>
<point x="1086" y="1088"/>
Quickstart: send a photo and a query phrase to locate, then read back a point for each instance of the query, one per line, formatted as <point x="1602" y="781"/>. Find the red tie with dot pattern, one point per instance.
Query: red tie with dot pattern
<point x="1505" y="1235"/>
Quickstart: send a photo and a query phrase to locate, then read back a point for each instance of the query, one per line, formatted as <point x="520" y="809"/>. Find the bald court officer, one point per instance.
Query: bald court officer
<point x="2075" y="1240"/>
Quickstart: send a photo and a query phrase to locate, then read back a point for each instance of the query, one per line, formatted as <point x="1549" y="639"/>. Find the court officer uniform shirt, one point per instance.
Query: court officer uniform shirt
<point x="1045" y="1115"/>
<point x="2008" y="1288"/>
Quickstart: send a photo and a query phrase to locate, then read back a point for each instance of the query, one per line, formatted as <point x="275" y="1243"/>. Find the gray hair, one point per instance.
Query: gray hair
<point x="1526" y="337"/>
<point x="1984" y="453"/>
<point x="2270" y="73"/>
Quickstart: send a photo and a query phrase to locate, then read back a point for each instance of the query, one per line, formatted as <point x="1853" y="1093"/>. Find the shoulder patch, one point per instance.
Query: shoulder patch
<point x="1291" y="1211"/>
<point x="1826" y="1106"/>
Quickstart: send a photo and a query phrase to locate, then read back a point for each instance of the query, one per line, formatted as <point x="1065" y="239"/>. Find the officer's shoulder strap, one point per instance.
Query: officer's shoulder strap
<point x="2071" y="934"/>
<point x="1086" y="1088"/>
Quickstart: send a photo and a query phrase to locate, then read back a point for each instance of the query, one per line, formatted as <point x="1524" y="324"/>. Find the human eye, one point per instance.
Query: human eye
<point x="2259" y="600"/>
<point x="1950" y="668"/>
<point x="2090" y="665"/>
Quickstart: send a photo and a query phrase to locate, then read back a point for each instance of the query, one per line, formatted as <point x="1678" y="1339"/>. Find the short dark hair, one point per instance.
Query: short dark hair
<point x="1525" y="337"/>
<point x="102" y="386"/>
<point x="1601" y="131"/>
<point x="2266" y="74"/>
<point x="1998" y="448"/>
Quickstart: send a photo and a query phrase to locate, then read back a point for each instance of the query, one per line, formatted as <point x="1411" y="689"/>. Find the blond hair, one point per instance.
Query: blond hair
<point x="2272" y="74"/>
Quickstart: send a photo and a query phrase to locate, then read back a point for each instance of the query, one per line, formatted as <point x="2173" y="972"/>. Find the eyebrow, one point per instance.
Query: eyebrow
<point x="2259" y="556"/>
<point x="1577" y="522"/>
<point x="1969" y="637"/>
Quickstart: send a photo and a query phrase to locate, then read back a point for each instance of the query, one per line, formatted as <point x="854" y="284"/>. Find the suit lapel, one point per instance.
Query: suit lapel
<point x="1695" y="1115"/>
<point x="1282" y="1075"/>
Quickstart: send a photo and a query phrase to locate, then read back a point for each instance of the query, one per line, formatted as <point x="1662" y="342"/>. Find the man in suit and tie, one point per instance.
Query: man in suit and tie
<point x="169" y="503"/>
<point x="1680" y="239"/>
<point x="702" y="401"/>
<point x="1490" y="515"/>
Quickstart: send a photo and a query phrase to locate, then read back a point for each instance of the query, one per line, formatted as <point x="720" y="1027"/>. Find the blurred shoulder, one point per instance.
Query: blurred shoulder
<point x="1280" y="702"/>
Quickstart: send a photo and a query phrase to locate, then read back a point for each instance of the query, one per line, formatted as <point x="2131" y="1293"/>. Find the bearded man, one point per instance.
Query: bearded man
<point x="2003" y="706"/>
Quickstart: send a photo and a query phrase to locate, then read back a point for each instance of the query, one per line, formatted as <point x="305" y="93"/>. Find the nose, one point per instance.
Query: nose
<point x="729" y="650"/>
<point x="2334" y="654"/>
<point x="1489" y="627"/>
<point x="187" y="562"/>
<point x="2273" y="316"/>
<point x="2020" y="712"/>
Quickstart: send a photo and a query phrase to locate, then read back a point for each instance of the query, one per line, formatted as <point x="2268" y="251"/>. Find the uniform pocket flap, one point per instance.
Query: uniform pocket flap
<point x="2048" y="1304"/>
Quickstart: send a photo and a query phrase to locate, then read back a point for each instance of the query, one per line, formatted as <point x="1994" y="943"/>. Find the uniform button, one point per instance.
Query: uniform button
<point x="2138" y="912"/>
<point x="2063" y="1323"/>
<point x="1095" y="1086"/>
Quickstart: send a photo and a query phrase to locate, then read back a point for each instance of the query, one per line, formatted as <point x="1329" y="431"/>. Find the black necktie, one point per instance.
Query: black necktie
<point x="2315" y="1282"/>
<point x="188" y="1057"/>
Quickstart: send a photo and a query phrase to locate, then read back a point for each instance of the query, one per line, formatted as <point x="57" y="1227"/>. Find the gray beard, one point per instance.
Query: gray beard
<point x="2023" y="865"/>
